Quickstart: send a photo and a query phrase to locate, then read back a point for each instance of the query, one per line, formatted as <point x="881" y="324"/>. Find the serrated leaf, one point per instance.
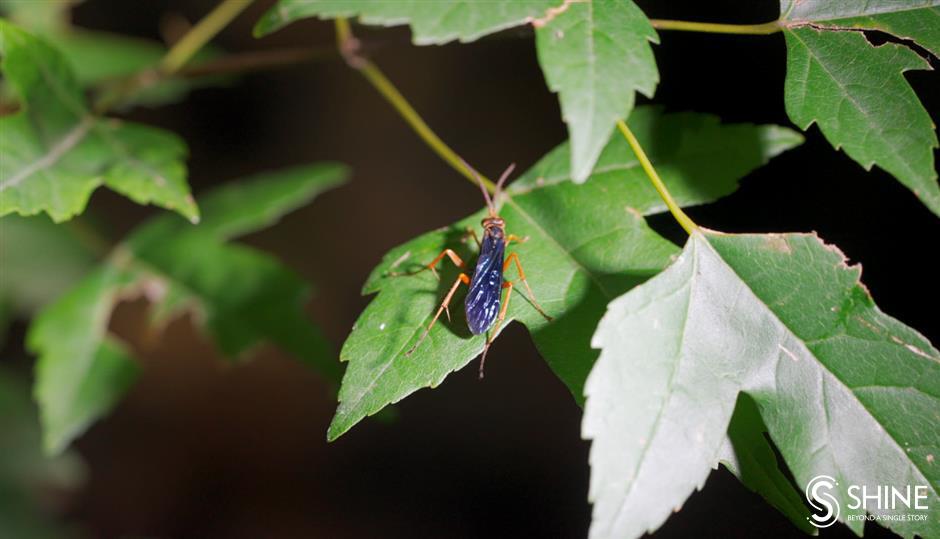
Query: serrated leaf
<point x="748" y="455"/>
<point x="587" y="243"/>
<point x="844" y="389"/>
<point x="858" y="96"/>
<point x="81" y="372"/>
<point x="595" y="55"/>
<point x="243" y="296"/>
<point x="432" y="23"/>
<point x="916" y="20"/>
<point x="56" y="152"/>
<point x="700" y="158"/>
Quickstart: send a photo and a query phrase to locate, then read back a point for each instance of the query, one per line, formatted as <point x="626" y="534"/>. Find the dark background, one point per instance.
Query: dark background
<point x="201" y="448"/>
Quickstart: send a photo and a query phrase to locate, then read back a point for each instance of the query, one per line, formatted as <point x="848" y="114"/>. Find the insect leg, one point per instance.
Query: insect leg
<point x="449" y="253"/>
<point x="515" y="258"/>
<point x="462" y="278"/>
<point x="514" y="238"/>
<point x="499" y="320"/>
<point x="472" y="232"/>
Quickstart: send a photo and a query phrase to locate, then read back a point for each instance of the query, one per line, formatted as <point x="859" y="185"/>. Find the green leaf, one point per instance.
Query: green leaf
<point x="587" y="244"/>
<point x="56" y="152"/>
<point x="24" y="470"/>
<point x="260" y="201"/>
<point x="242" y="296"/>
<point x="700" y="158"/>
<point x="81" y="372"/>
<point x="844" y="389"/>
<point x="41" y="260"/>
<point x="432" y="23"/>
<point x="749" y="456"/>
<point x="595" y="55"/>
<point x="97" y="57"/>
<point x="858" y="96"/>
<point x="916" y="20"/>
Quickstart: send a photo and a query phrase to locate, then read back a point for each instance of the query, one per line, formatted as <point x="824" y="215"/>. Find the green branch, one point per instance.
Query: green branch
<point x="175" y="58"/>
<point x="349" y="47"/>
<point x="202" y="33"/>
<point x="684" y="221"/>
<point x="717" y="28"/>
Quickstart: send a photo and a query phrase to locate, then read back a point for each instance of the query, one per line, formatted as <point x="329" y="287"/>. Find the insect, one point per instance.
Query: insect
<point x="482" y="305"/>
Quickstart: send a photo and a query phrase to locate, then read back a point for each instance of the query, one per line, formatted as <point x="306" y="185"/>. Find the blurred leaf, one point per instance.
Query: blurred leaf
<point x="587" y="244"/>
<point x="432" y="23"/>
<point x="260" y="201"/>
<point x="24" y="471"/>
<point x="96" y="57"/>
<point x="39" y="260"/>
<point x="244" y="297"/>
<point x="56" y="152"/>
<point x="595" y="55"/>
<point x="700" y="158"/>
<point x="38" y="16"/>
<point x="749" y="456"/>
<point x="844" y="389"/>
<point x="81" y="372"/>
<point x="915" y="20"/>
<point x="857" y="93"/>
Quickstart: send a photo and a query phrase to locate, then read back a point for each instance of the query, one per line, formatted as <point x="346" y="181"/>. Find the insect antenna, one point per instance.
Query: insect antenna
<point x="499" y="184"/>
<point x="486" y="194"/>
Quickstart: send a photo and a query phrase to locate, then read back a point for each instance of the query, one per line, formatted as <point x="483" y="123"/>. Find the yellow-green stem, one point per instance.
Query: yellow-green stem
<point x="346" y="43"/>
<point x="684" y="221"/>
<point x="717" y="28"/>
<point x="199" y="35"/>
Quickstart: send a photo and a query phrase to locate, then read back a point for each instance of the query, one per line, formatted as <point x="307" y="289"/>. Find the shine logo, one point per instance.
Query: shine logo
<point x="820" y="498"/>
<point x="877" y="503"/>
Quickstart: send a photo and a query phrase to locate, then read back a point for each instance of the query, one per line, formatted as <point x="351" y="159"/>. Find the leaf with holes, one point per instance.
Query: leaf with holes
<point x="844" y="389"/>
<point x="916" y="20"/>
<point x="595" y="55"/>
<point x="587" y="244"/>
<point x="56" y="152"/>
<point x="856" y="92"/>
<point x="432" y="23"/>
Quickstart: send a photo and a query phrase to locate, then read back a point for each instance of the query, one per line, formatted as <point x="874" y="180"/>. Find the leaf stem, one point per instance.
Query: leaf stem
<point x="766" y="28"/>
<point x="684" y="221"/>
<point x="349" y="47"/>
<point x="199" y="35"/>
<point x="175" y="58"/>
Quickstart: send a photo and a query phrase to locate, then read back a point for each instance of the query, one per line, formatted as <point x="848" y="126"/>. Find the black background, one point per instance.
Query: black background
<point x="201" y="448"/>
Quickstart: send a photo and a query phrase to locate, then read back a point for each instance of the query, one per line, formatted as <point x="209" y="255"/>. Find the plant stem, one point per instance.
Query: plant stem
<point x="199" y="35"/>
<point x="717" y="28"/>
<point x="684" y="221"/>
<point x="175" y="58"/>
<point x="348" y="46"/>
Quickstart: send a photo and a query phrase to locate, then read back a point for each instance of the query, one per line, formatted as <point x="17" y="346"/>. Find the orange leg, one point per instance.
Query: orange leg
<point x="513" y="257"/>
<point x="499" y="320"/>
<point x="449" y="253"/>
<point x="462" y="278"/>
<point x="473" y="233"/>
<point x="514" y="238"/>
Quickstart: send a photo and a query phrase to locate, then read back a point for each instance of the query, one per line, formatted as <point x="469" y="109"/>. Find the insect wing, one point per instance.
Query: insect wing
<point x="482" y="302"/>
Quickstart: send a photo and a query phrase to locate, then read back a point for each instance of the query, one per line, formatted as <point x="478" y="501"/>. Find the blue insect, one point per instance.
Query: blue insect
<point x="483" y="301"/>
